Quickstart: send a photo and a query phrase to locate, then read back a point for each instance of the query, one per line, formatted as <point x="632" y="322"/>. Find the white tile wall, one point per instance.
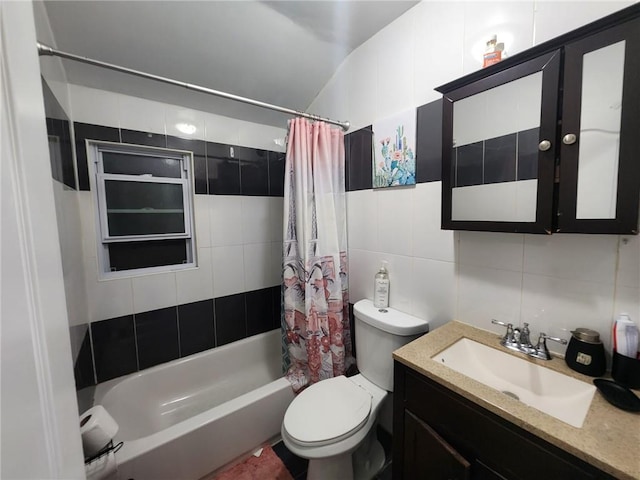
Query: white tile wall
<point x="512" y="22"/>
<point x="141" y="114"/>
<point x="201" y="216"/>
<point x="395" y="214"/>
<point x="227" y="228"/>
<point x="554" y="282"/>
<point x="195" y="284"/>
<point x="99" y="107"/>
<point x="488" y="293"/>
<point x="228" y="270"/>
<point x="107" y="298"/>
<point x="151" y="292"/>
<point x="440" y="62"/>
<point x="557" y="305"/>
<point x="493" y="250"/>
<point x="555" y="18"/>
<point x="572" y="256"/>
<point x="362" y="219"/>
<point x="395" y="71"/>
<point x="432" y="290"/>
<point x="225" y="216"/>
<point x="429" y="240"/>
<point x="257" y="266"/>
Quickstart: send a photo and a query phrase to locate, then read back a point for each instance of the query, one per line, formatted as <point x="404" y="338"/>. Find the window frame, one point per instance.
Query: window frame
<point x="95" y="150"/>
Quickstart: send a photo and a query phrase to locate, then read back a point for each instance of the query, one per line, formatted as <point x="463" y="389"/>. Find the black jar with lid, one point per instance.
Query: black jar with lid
<point x="585" y="352"/>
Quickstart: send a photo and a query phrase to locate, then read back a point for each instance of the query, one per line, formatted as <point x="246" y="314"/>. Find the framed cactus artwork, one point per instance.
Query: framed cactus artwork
<point x="394" y="159"/>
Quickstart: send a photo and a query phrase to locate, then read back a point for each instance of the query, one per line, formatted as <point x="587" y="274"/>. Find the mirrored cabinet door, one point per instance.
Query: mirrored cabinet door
<point x="499" y="150"/>
<point x="600" y="137"/>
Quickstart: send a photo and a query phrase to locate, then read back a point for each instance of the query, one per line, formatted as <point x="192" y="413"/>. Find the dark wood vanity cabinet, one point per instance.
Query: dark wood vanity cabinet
<point x="440" y="435"/>
<point x="546" y="141"/>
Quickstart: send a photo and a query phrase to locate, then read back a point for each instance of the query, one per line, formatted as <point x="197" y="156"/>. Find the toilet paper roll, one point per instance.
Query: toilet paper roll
<point x="97" y="429"/>
<point x="102" y="468"/>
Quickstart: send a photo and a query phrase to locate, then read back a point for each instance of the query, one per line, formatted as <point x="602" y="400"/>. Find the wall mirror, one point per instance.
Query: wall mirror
<point x="498" y="155"/>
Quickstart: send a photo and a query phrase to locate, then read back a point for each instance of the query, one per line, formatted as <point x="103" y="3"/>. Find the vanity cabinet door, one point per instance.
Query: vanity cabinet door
<point x="499" y="149"/>
<point x="434" y="424"/>
<point x="600" y="145"/>
<point x="428" y="456"/>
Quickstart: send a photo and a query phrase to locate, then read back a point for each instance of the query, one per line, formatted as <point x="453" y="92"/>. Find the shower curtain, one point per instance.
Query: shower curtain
<point x="315" y="324"/>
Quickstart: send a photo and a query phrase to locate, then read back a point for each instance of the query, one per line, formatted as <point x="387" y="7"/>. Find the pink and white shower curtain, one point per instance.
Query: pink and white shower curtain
<point x="315" y="294"/>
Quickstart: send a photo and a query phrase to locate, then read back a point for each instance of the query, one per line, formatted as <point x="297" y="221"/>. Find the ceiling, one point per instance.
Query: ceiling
<point x="280" y="52"/>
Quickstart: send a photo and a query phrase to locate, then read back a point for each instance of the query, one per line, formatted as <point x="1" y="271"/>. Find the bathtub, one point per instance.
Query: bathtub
<point x="184" y="419"/>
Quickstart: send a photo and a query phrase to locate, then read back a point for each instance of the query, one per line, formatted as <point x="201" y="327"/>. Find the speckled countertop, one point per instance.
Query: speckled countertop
<point x="609" y="438"/>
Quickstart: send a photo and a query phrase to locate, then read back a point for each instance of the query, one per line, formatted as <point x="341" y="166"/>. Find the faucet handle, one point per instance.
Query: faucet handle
<point x="541" y="351"/>
<point x="498" y="322"/>
<point x="544" y="336"/>
<point x="508" y="336"/>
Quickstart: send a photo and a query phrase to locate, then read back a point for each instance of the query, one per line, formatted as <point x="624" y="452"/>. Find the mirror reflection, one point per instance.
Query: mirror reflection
<point x="599" y="140"/>
<point x="495" y="152"/>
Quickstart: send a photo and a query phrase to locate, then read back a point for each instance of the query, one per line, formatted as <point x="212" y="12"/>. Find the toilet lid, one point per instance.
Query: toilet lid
<point x="327" y="410"/>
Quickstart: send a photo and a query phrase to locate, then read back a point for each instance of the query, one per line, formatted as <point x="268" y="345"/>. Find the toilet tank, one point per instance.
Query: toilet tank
<point x="378" y="333"/>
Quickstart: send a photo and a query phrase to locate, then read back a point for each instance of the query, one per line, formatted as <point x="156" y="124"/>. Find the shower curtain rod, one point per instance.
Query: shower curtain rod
<point x="46" y="50"/>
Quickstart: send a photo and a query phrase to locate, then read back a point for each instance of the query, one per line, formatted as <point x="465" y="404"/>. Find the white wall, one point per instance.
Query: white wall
<point x="556" y="282"/>
<point x="239" y="238"/>
<point x="40" y="431"/>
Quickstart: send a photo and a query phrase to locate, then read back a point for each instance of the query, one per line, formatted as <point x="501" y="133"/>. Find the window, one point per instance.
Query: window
<point x="144" y="208"/>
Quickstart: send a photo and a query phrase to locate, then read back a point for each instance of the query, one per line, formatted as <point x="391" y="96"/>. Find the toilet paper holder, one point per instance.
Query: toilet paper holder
<point x="110" y="447"/>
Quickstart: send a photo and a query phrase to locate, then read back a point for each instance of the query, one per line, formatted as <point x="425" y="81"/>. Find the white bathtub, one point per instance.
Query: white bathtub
<point x="184" y="419"/>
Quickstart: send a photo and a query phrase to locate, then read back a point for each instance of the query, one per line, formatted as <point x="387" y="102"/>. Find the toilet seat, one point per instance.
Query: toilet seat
<point x="327" y="412"/>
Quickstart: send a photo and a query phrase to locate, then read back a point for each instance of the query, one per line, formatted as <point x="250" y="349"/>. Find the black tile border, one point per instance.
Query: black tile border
<point x="523" y="161"/>
<point x="122" y="345"/>
<point x="265" y="180"/>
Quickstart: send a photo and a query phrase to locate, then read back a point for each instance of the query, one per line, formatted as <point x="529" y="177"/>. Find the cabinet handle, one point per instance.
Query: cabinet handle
<point x="569" y="139"/>
<point x="544" y="145"/>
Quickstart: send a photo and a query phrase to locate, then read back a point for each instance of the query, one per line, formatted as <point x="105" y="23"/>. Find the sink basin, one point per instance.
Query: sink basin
<point x="553" y="393"/>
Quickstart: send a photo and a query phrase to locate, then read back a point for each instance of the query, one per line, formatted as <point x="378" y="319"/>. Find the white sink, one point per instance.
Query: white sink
<point x="553" y="393"/>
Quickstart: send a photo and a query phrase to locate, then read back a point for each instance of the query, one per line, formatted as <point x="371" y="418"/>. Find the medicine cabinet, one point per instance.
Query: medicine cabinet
<point x="549" y="139"/>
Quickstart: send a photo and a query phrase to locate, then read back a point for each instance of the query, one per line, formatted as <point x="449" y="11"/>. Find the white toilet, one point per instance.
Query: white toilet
<point x="330" y="423"/>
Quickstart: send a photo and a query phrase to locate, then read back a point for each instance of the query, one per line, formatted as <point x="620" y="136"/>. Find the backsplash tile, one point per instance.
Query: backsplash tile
<point x="429" y="142"/>
<point x="157" y="336"/>
<point x="114" y="347"/>
<point x="230" y="319"/>
<point x="196" y="325"/>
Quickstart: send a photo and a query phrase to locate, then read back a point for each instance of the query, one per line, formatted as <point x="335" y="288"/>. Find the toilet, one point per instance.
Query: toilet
<point x="332" y="422"/>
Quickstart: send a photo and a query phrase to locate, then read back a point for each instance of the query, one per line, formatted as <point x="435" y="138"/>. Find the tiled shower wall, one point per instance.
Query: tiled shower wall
<point x="556" y="282"/>
<point x="234" y="292"/>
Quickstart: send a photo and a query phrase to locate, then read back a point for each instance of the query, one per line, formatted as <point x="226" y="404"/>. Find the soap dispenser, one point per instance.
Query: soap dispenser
<point x="381" y="287"/>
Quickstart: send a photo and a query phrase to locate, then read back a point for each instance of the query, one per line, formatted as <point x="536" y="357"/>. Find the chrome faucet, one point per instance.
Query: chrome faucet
<point x="520" y="341"/>
<point x="541" y="351"/>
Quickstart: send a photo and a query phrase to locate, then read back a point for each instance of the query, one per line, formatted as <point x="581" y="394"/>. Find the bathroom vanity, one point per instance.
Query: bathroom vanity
<point x="450" y="426"/>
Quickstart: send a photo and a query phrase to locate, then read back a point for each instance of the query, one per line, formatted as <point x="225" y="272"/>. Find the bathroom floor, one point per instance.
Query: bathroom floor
<point x="298" y="466"/>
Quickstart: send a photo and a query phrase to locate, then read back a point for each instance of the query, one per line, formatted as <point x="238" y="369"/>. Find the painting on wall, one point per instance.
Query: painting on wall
<point x="394" y="159"/>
